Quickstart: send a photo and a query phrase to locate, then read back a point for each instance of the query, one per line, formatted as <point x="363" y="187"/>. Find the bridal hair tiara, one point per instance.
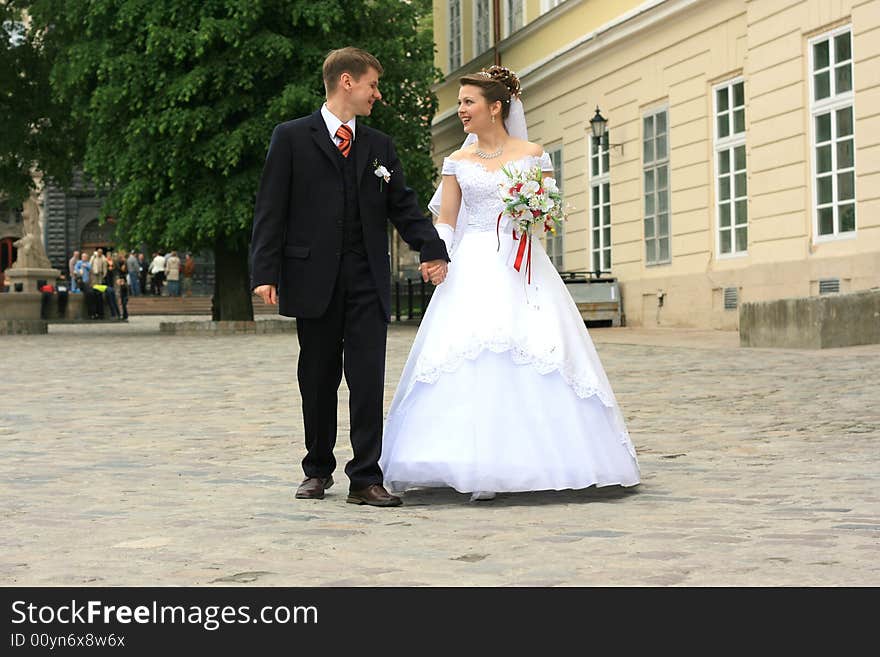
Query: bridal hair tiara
<point x="505" y="76"/>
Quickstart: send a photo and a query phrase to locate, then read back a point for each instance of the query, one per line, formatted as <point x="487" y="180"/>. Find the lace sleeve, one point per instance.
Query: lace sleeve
<point x="448" y="167"/>
<point x="546" y="163"/>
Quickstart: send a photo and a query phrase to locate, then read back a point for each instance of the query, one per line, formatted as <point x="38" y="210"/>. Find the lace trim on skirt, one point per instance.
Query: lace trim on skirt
<point x="429" y="369"/>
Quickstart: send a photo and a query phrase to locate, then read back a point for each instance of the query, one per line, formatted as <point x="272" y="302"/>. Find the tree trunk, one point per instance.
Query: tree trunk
<point x="232" y="294"/>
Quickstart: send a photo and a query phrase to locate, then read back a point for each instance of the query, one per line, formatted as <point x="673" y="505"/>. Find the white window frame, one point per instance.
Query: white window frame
<point x="600" y="181"/>
<point x="453" y="62"/>
<point x="831" y="105"/>
<point x="729" y="144"/>
<point x="654" y="166"/>
<point x="506" y="15"/>
<point x="479" y="48"/>
<point x="556" y="243"/>
<point x="547" y="5"/>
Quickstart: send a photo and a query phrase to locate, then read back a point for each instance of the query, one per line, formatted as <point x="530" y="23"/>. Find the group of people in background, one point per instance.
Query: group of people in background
<point x="169" y="271"/>
<point x="111" y="278"/>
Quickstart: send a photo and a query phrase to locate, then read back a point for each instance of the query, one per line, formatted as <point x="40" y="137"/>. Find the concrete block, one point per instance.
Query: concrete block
<point x="820" y="322"/>
<point x="23" y="327"/>
<point x="208" y="327"/>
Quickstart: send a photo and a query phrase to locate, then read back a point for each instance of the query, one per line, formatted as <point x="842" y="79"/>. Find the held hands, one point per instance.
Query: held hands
<point x="434" y="271"/>
<point x="267" y="293"/>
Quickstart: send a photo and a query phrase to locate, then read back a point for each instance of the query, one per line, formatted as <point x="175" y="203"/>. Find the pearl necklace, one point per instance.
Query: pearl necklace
<point x="488" y="156"/>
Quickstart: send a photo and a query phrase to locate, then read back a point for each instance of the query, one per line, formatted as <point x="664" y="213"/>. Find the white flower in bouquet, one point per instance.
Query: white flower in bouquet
<point x="529" y="200"/>
<point x="530" y="188"/>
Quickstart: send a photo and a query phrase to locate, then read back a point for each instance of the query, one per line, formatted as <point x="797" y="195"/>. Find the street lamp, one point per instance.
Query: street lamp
<point x="599" y="126"/>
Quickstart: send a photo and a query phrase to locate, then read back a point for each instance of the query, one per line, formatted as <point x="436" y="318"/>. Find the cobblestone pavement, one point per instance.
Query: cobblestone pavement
<point x="131" y="458"/>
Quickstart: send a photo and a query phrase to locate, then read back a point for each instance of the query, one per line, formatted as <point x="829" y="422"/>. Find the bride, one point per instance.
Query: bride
<point x="503" y="390"/>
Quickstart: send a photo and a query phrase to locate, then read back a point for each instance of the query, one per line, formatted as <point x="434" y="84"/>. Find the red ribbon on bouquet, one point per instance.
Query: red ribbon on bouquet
<point x="517" y="264"/>
<point x="520" y="252"/>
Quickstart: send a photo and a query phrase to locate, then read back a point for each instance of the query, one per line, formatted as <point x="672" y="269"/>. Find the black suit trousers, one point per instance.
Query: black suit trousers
<point x="348" y="338"/>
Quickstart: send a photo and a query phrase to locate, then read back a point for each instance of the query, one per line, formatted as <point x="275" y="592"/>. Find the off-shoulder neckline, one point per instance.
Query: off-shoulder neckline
<point x="485" y="168"/>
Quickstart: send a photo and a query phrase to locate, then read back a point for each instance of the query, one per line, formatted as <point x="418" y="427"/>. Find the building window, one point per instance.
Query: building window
<point x="515" y="15"/>
<point x="655" y="154"/>
<point x="600" y="205"/>
<point x="454" y="34"/>
<point x="831" y="108"/>
<point x="547" y="5"/>
<point x="482" y="26"/>
<point x="555" y="248"/>
<point x="731" y="194"/>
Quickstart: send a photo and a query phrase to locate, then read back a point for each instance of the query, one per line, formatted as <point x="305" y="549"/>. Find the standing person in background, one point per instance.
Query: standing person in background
<point x="143" y="268"/>
<point x="83" y="275"/>
<point x="71" y="264"/>
<point x="110" y="275"/>
<point x="61" y="287"/>
<point x="189" y="268"/>
<point x="99" y="267"/>
<point x="83" y="270"/>
<point x="134" y="274"/>
<point x="121" y="285"/>
<point x="172" y="274"/>
<point x="157" y="274"/>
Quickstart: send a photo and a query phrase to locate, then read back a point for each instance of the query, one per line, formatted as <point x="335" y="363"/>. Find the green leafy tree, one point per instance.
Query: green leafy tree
<point x="37" y="133"/>
<point x="180" y="99"/>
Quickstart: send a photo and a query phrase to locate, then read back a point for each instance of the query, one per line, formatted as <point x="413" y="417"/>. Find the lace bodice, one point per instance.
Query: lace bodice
<point x="479" y="189"/>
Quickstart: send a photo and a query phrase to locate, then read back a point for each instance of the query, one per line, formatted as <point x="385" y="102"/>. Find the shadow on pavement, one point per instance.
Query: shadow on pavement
<point x="450" y="497"/>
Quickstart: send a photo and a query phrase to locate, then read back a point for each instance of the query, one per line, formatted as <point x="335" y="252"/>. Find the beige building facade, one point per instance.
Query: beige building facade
<point x="742" y="159"/>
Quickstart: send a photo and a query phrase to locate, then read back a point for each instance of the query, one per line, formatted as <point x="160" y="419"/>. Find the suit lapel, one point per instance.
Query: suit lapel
<point x="323" y="141"/>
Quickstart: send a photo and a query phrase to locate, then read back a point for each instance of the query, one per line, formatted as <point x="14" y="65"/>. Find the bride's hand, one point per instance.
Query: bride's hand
<point x="434" y="270"/>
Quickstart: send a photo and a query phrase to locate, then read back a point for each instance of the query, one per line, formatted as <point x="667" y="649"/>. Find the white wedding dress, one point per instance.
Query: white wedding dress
<point x="503" y="389"/>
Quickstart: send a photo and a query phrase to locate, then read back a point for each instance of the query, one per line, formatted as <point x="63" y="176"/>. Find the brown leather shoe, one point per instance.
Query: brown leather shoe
<point x="374" y="495"/>
<point x="312" y="488"/>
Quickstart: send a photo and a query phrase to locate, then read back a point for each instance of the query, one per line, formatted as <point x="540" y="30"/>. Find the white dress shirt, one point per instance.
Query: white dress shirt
<point x="333" y="123"/>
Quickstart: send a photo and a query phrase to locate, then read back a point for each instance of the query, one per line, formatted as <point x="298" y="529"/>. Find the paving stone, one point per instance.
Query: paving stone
<point x="132" y="457"/>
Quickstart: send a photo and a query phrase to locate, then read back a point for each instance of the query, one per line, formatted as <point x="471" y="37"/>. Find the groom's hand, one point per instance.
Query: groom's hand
<point x="267" y="293"/>
<point x="434" y="271"/>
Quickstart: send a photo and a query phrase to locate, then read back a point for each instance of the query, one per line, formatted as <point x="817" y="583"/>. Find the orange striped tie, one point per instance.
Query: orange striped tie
<point x="344" y="133"/>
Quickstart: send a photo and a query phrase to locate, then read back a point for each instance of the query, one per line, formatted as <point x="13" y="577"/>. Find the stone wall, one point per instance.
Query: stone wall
<point x="23" y="327"/>
<point x="812" y="322"/>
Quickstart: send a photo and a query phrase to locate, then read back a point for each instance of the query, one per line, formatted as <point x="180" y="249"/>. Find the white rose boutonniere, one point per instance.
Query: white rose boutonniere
<point x="381" y="173"/>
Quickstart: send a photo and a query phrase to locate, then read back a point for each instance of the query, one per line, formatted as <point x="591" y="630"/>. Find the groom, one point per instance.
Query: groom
<point x="320" y="249"/>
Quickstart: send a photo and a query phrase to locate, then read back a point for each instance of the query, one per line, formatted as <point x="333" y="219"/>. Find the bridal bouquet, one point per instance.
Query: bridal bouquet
<point x="530" y="200"/>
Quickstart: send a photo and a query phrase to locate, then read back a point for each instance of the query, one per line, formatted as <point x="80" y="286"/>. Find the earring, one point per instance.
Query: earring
<point x="493" y="118"/>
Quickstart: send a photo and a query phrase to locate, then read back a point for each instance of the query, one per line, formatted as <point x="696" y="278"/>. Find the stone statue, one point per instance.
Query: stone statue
<point x="31" y="253"/>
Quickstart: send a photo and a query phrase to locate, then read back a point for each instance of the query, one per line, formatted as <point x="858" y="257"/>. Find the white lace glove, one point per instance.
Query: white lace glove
<point x="445" y="231"/>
